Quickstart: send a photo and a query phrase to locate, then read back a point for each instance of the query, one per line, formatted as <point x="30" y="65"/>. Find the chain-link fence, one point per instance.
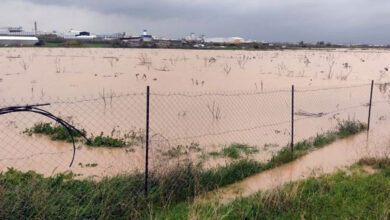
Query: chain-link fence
<point x="26" y="147"/>
<point x="185" y="126"/>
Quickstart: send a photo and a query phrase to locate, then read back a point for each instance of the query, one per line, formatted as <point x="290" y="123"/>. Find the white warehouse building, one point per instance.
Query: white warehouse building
<point x="18" y="40"/>
<point x="78" y="35"/>
<point x="16" y="36"/>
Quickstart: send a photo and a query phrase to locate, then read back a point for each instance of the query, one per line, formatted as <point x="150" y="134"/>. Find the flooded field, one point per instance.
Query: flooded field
<point x="201" y="101"/>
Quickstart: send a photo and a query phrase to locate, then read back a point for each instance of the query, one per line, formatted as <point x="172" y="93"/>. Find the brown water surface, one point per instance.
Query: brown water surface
<point x="337" y="156"/>
<point x="194" y="100"/>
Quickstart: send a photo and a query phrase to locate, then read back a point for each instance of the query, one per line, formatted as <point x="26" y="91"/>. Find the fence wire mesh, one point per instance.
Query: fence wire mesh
<point x="321" y="110"/>
<point x="118" y="117"/>
<point x="185" y="126"/>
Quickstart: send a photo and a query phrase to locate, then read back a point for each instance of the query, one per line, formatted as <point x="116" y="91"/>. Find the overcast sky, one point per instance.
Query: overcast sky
<point x="343" y="21"/>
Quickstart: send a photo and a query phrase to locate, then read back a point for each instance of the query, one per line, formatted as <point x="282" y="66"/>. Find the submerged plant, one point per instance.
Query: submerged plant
<point x="215" y="111"/>
<point x="56" y="132"/>
<point x="235" y="151"/>
<point x="107" y="141"/>
<point x="60" y="133"/>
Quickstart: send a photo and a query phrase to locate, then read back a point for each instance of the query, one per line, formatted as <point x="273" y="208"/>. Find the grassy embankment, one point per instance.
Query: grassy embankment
<point x="357" y="194"/>
<point x="29" y="195"/>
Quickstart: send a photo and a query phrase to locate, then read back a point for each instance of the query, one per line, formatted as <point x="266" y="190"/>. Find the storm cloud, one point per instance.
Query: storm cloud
<point x="338" y="21"/>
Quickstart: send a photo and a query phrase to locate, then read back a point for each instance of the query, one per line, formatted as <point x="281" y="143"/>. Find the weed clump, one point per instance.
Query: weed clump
<point x="348" y="127"/>
<point x="180" y="150"/>
<point x="235" y="151"/>
<point x="321" y="140"/>
<point x="56" y="132"/>
<point x="106" y="141"/>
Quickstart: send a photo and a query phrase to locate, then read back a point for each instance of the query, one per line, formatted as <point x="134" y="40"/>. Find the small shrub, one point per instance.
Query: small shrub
<point x="231" y="152"/>
<point x="56" y="132"/>
<point x="59" y="132"/>
<point x="283" y="156"/>
<point x="321" y="140"/>
<point x="235" y="151"/>
<point x="106" y="141"/>
<point x="182" y="150"/>
<point x="91" y="165"/>
<point x="349" y="127"/>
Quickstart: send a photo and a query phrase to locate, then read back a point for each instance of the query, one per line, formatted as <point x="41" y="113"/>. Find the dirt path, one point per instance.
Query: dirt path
<point x="338" y="155"/>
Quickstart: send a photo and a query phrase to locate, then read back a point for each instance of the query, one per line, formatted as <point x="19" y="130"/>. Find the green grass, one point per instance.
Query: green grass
<point x="30" y="195"/>
<point x="235" y="151"/>
<point x="56" y="132"/>
<point x="52" y="45"/>
<point x="348" y="127"/>
<point x="358" y="195"/>
<point x="180" y="150"/>
<point x="106" y="141"/>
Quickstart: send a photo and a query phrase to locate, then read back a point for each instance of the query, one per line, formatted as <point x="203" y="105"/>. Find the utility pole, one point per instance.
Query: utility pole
<point x="35" y="28"/>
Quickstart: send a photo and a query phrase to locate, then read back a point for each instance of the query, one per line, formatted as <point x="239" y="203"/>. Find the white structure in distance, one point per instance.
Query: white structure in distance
<point x="78" y="35"/>
<point x="17" y="37"/>
<point x="222" y="40"/>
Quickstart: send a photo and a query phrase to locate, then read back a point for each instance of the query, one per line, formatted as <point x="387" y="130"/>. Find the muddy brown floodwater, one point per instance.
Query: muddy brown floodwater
<point x="201" y="102"/>
<point x="337" y="156"/>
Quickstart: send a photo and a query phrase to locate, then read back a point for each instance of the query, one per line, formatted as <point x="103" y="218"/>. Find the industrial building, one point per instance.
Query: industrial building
<point x="78" y="35"/>
<point x="17" y="37"/>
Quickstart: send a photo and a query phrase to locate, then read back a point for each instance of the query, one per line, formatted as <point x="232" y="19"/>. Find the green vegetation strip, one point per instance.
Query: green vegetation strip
<point x="30" y="195"/>
<point x="345" y="129"/>
<point x="58" y="132"/>
<point x="358" y="195"/>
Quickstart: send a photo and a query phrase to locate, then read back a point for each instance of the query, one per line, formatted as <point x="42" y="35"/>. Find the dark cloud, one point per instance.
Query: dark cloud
<point x="354" y="21"/>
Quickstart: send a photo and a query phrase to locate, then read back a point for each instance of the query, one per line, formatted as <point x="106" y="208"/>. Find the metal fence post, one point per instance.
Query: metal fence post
<point x="147" y="141"/>
<point x="369" y="107"/>
<point x="292" y="119"/>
